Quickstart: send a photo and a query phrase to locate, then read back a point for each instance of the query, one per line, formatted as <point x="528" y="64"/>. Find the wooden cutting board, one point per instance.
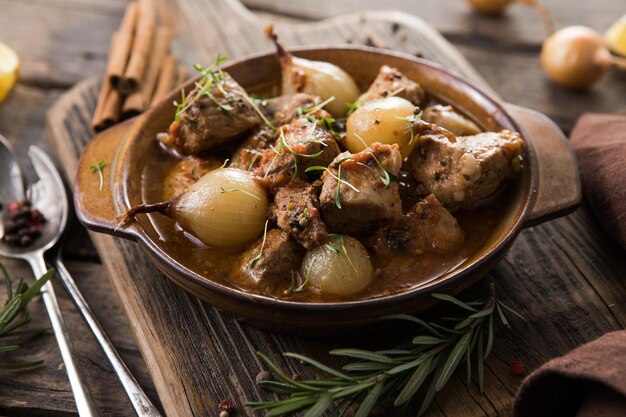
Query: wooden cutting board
<point x="198" y="356"/>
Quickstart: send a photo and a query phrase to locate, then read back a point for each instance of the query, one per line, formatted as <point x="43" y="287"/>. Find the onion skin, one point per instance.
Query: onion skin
<point x="225" y="208"/>
<point x="337" y="274"/>
<point x="383" y="121"/>
<point x="489" y="6"/>
<point x="575" y="57"/>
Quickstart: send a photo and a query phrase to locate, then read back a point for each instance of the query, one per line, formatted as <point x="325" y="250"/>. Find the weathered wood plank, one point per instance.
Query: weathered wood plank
<point x="195" y="359"/>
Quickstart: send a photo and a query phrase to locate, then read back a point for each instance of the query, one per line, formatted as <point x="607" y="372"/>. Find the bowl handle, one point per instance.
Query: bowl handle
<point x="558" y="191"/>
<point x="95" y="207"/>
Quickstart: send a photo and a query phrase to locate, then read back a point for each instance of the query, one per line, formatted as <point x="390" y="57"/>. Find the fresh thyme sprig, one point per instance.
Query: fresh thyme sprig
<point x="258" y="255"/>
<point x="425" y="364"/>
<point x="212" y="75"/>
<point x="337" y="245"/>
<point x="238" y="189"/>
<point x="14" y="315"/>
<point x="308" y="110"/>
<point x="337" y="177"/>
<point x="97" y="168"/>
<point x="410" y="120"/>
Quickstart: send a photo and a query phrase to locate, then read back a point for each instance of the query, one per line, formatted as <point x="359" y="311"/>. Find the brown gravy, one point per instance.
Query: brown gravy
<point x="394" y="274"/>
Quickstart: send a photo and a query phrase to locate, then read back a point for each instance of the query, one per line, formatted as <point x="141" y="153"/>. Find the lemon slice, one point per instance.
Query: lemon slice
<point x="9" y="66"/>
<point x="615" y="37"/>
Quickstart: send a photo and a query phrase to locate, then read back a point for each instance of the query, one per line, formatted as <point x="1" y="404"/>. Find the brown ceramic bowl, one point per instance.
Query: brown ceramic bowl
<point x="547" y="187"/>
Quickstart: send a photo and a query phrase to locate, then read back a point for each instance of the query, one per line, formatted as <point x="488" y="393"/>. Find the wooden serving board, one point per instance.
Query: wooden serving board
<point x="198" y="356"/>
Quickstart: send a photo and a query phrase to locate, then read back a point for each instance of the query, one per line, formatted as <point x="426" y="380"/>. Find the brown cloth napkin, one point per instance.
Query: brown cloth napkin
<point x="590" y="381"/>
<point x="599" y="141"/>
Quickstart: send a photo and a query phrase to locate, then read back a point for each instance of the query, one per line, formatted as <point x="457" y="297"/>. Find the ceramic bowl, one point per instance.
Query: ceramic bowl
<point x="547" y="187"/>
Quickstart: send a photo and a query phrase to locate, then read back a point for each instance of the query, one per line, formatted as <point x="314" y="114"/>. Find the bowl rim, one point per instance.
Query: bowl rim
<point x="171" y="266"/>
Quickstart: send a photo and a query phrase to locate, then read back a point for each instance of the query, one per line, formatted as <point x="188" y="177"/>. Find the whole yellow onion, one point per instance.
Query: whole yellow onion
<point x="575" y="57"/>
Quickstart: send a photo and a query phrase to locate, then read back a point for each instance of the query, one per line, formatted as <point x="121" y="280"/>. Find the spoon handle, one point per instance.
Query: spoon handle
<point x="140" y="401"/>
<point x="84" y="402"/>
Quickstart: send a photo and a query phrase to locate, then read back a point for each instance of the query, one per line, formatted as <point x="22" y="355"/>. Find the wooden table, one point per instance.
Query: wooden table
<point x="578" y="292"/>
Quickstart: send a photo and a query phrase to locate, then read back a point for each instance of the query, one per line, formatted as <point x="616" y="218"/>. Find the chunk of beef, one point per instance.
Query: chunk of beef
<point x="300" y="144"/>
<point x="186" y="172"/>
<point x="391" y="81"/>
<point x="363" y="195"/>
<point x="281" y="110"/>
<point x="248" y="154"/>
<point x="427" y="227"/>
<point x="448" y="118"/>
<point x="285" y="109"/>
<point x="296" y="210"/>
<point x="468" y="171"/>
<point x="279" y="256"/>
<point x="212" y="118"/>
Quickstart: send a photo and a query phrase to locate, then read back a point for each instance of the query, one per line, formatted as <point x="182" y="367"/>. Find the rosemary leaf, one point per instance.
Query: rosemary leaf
<point x="320" y="406"/>
<point x="318" y="365"/>
<point x="453" y="300"/>
<point x="415" y="382"/>
<point x="370" y="400"/>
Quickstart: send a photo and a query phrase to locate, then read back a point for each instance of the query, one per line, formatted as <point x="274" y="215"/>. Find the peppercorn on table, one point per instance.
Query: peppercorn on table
<point x="562" y="276"/>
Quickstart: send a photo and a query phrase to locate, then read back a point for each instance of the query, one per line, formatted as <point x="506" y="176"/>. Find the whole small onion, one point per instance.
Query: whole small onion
<point x="575" y="57"/>
<point x="386" y="120"/>
<point x="224" y="208"/>
<point x="340" y="268"/>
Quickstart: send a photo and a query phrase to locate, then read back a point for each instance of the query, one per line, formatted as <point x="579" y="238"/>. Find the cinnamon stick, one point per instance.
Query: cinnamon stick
<point x="103" y="112"/>
<point x="166" y="79"/>
<point x="138" y="101"/>
<point x="142" y="43"/>
<point x="120" y="49"/>
<point x="109" y="112"/>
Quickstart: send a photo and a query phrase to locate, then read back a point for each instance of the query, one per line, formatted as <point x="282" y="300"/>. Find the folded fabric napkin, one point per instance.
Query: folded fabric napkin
<point x="590" y="381"/>
<point x="599" y="141"/>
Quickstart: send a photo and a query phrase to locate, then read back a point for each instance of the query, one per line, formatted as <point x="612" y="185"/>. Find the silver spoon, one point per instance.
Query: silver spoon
<point x="48" y="196"/>
<point x="140" y="401"/>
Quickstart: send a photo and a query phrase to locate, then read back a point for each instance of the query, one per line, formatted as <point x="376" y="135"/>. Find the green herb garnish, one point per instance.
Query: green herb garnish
<point x="292" y="287"/>
<point x="97" y="168"/>
<point x="302" y="112"/>
<point x="425" y="365"/>
<point x="337" y="177"/>
<point x="212" y="76"/>
<point x="258" y="255"/>
<point x="337" y="245"/>
<point x="232" y="190"/>
<point x="14" y="314"/>
<point x="410" y="120"/>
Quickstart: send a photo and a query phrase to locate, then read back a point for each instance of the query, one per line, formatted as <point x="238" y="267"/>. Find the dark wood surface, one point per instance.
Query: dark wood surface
<point x="564" y="276"/>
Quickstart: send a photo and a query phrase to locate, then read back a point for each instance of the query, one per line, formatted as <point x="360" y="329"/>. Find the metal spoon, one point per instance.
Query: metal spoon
<point x="140" y="401"/>
<point x="48" y="196"/>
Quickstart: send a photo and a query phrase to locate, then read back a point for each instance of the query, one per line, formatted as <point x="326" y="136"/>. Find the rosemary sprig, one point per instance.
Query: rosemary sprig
<point x="97" y="168"/>
<point x="423" y="365"/>
<point x="14" y="315"/>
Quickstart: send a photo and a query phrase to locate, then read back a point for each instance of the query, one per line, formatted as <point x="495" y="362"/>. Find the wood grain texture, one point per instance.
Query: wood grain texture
<point x="565" y="277"/>
<point x="194" y="353"/>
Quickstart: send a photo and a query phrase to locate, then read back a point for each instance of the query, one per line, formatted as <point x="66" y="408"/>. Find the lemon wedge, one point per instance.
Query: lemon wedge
<point x="615" y="37"/>
<point x="9" y="67"/>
